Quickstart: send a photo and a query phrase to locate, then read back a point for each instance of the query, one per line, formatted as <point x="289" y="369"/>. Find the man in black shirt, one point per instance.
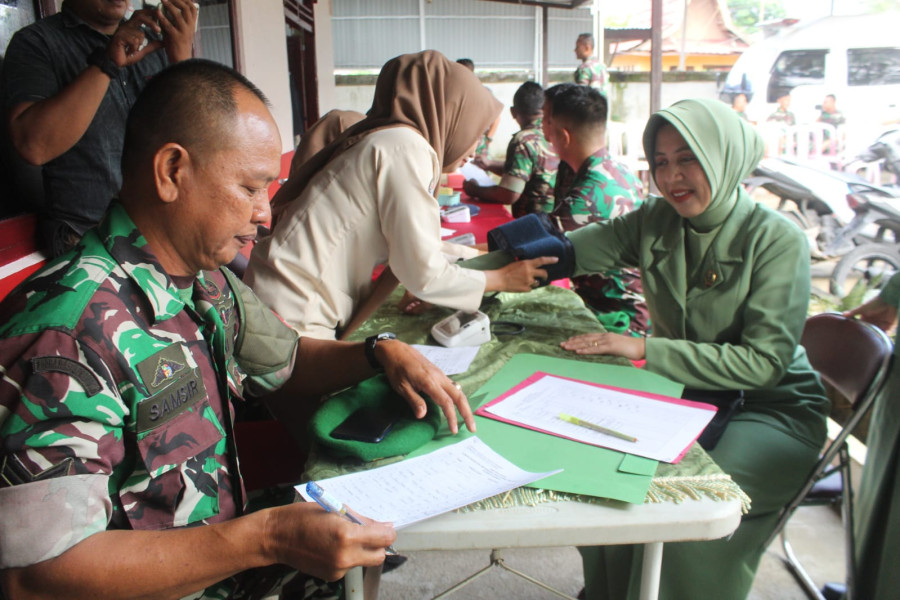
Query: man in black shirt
<point x="69" y="81"/>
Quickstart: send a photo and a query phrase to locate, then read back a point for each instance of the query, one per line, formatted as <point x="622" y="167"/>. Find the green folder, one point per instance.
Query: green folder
<point x="587" y="469"/>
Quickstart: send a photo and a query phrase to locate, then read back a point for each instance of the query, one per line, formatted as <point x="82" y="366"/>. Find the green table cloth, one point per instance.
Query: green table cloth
<point x="548" y="316"/>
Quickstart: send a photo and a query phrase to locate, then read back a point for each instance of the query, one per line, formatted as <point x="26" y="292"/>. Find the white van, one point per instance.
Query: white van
<point x="856" y="58"/>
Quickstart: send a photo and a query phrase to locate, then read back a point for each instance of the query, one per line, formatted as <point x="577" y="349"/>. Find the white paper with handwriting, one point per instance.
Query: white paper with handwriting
<point x="413" y="490"/>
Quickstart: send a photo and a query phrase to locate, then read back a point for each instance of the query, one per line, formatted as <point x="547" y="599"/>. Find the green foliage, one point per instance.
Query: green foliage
<point x="876" y="6"/>
<point x="861" y="292"/>
<point x="745" y="13"/>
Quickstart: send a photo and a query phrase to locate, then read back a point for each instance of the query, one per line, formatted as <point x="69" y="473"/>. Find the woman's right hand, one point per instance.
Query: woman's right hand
<point x="877" y="312"/>
<point x="410" y="305"/>
<point x="519" y="276"/>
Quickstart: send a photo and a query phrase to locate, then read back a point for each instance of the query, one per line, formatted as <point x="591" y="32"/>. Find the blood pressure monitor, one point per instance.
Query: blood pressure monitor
<point x="463" y="329"/>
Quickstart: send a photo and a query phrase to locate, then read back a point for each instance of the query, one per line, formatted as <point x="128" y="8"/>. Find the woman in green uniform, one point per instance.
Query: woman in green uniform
<point x="876" y="508"/>
<point x="727" y="283"/>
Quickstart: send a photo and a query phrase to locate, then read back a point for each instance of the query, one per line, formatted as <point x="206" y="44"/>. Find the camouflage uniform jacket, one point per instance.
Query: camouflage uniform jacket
<point x="782" y="116"/>
<point x="483" y="147"/>
<point x="116" y="391"/>
<point x="602" y="189"/>
<point x="530" y="170"/>
<point x="836" y="118"/>
<point x="593" y="72"/>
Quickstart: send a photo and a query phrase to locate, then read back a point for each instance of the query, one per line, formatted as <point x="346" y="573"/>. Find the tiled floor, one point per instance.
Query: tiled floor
<point x="815" y="533"/>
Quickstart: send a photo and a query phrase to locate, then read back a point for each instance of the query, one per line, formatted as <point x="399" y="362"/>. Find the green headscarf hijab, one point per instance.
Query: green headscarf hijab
<point x="727" y="147"/>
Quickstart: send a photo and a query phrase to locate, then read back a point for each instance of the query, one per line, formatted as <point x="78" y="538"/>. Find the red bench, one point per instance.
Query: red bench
<point x="19" y="252"/>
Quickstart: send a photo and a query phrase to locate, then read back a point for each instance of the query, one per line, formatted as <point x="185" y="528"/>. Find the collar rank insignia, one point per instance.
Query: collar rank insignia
<point x="165" y="370"/>
<point x="211" y="289"/>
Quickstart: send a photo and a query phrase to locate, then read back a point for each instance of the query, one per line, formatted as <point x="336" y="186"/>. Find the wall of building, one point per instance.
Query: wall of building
<point x="263" y="58"/>
<point x="693" y="62"/>
<point x="322" y="11"/>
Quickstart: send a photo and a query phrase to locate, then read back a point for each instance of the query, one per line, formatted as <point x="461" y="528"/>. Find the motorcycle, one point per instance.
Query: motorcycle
<point x="826" y="205"/>
<point x="876" y="257"/>
<point x="844" y="215"/>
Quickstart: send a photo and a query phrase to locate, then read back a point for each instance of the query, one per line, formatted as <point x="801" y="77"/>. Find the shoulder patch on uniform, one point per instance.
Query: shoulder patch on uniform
<point x="70" y="367"/>
<point x="211" y="288"/>
<point x="163" y="367"/>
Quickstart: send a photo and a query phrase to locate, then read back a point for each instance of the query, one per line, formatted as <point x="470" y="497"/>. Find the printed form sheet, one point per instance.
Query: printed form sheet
<point x="664" y="427"/>
<point x="418" y="488"/>
<point x="451" y="361"/>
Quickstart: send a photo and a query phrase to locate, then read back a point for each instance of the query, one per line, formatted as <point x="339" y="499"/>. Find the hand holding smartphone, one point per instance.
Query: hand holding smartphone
<point x="158" y="5"/>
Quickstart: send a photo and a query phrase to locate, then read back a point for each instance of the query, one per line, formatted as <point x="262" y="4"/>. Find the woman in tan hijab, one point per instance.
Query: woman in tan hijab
<point x="321" y="133"/>
<point x="368" y="199"/>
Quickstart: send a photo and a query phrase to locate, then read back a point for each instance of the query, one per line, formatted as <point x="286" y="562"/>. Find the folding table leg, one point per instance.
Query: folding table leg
<point x="371" y="582"/>
<point x="650" y="570"/>
<point x="353" y="584"/>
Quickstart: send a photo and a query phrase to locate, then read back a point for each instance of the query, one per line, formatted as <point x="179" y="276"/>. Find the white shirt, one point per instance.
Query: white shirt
<point x="371" y="205"/>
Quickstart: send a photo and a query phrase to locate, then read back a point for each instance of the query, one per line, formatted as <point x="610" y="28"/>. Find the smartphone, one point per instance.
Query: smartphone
<point x="155" y="4"/>
<point x="365" y="425"/>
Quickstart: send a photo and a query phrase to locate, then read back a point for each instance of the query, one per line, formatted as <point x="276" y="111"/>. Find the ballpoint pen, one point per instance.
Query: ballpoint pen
<point x="595" y="427"/>
<point x="332" y="504"/>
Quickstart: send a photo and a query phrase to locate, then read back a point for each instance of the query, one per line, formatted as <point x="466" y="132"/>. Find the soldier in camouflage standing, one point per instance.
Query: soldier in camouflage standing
<point x="529" y="172"/>
<point x="592" y="71"/>
<point x="591" y="187"/>
<point x="123" y="360"/>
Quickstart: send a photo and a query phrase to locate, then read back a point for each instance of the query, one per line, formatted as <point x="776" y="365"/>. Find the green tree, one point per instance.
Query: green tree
<point x="745" y="13"/>
<point x="884" y="5"/>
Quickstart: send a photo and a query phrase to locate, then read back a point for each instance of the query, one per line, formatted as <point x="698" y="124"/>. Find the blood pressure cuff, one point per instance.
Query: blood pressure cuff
<point x="265" y="348"/>
<point x="533" y="236"/>
<point x="407" y="434"/>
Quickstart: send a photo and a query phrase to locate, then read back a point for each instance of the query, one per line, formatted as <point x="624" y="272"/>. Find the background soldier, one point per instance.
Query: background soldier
<point x="591" y="71"/>
<point x="529" y="172"/>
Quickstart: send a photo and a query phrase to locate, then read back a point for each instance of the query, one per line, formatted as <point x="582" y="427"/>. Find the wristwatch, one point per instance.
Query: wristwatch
<point x="100" y="59"/>
<point x="371" y="341"/>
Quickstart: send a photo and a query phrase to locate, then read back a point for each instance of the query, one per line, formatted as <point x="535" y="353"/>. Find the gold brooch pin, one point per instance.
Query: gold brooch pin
<point x="710" y="278"/>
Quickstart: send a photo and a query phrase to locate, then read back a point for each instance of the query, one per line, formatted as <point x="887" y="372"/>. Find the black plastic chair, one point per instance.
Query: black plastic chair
<point x="853" y="357"/>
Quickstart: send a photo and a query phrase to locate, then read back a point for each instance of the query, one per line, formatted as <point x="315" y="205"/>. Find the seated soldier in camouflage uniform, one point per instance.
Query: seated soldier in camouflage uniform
<point x="830" y="115"/>
<point x="591" y="186"/>
<point x="529" y="172"/>
<point x="123" y="362"/>
<point x="484" y="144"/>
<point x="592" y="71"/>
<point x="783" y="113"/>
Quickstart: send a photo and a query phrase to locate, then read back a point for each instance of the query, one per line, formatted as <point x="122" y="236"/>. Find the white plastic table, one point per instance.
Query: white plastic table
<point x="567" y="524"/>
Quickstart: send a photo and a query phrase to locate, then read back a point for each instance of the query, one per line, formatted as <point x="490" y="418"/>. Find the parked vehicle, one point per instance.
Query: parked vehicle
<point x="843" y="214"/>
<point x="869" y="265"/>
<point x="883" y="153"/>
<point x="856" y="58"/>
<point x="837" y="210"/>
<point x="876" y="257"/>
